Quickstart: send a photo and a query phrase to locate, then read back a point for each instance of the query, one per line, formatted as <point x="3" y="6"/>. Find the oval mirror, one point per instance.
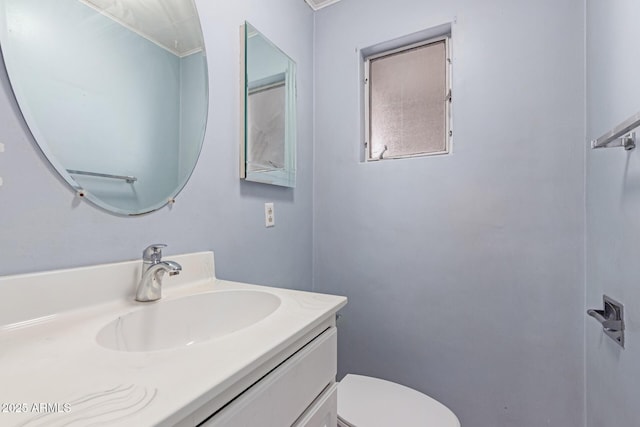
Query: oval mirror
<point x="115" y="93"/>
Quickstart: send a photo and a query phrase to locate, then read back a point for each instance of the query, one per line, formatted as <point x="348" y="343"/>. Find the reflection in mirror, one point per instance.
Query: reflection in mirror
<point x="113" y="91"/>
<point x="269" y="132"/>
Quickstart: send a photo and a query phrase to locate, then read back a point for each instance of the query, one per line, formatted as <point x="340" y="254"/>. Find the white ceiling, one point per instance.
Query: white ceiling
<point x="172" y="24"/>
<point x="319" y="4"/>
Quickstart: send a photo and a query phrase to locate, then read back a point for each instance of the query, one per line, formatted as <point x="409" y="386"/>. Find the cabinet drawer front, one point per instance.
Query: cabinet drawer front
<point x="323" y="412"/>
<point x="278" y="399"/>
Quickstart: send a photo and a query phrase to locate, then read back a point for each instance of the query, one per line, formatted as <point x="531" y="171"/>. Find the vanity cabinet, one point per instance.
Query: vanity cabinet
<point x="262" y="357"/>
<point x="323" y="412"/>
<point x="300" y="391"/>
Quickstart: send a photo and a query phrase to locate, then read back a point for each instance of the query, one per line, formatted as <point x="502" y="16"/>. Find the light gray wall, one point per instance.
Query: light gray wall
<point x="465" y="273"/>
<point x="613" y="212"/>
<point x="44" y="227"/>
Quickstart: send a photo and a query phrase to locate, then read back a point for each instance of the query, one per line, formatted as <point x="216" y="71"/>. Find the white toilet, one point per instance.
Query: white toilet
<point x="372" y="402"/>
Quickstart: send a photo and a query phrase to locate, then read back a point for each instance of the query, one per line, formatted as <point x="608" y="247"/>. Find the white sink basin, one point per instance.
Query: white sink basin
<point x="186" y="321"/>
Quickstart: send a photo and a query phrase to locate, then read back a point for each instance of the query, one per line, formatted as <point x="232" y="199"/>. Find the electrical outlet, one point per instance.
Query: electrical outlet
<point x="269" y="215"/>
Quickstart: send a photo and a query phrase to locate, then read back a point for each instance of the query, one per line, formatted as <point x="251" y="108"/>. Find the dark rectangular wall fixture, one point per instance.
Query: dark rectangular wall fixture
<point x="611" y="318"/>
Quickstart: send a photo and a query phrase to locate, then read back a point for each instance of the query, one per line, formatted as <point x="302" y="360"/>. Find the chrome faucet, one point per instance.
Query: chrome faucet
<point x="153" y="269"/>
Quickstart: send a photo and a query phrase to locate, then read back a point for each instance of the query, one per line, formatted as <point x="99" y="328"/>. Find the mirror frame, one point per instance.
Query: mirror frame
<point x="286" y="176"/>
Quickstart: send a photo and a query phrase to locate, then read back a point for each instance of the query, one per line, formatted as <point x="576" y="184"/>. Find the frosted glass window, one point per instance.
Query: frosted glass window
<point x="408" y="101"/>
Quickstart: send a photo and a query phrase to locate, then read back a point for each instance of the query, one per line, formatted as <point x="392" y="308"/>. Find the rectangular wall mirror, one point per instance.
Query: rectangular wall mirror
<point x="268" y="105"/>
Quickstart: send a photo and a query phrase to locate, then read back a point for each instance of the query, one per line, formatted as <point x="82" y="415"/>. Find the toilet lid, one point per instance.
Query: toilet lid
<point x="372" y="402"/>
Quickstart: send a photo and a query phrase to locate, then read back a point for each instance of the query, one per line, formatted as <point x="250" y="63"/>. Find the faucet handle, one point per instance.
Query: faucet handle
<point x="153" y="253"/>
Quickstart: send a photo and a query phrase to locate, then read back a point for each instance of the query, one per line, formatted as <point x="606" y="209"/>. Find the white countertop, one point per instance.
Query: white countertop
<point x="54" y="363"/>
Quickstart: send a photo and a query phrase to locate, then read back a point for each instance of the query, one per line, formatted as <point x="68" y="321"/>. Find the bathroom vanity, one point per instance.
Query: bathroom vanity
<point x="76" y="347"/>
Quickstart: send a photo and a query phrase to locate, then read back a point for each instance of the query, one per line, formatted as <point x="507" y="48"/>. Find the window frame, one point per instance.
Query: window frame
<point x="448" y="98"/>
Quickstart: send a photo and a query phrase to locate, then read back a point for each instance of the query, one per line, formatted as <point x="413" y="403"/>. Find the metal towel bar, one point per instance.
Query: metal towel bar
<point x="620" y="136"/>
<point x="127" y="178"/>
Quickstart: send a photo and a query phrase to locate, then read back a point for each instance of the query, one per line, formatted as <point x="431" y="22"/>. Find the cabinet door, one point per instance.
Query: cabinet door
<point x="278" y="399"/>
<point x="324" y="411"/>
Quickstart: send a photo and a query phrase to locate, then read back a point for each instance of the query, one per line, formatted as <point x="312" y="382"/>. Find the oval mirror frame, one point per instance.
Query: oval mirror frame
<point x="115" y="94"/>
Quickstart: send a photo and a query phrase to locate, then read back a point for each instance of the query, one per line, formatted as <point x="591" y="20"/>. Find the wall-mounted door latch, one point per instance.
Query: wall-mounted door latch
<point x="611" y="319"/>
